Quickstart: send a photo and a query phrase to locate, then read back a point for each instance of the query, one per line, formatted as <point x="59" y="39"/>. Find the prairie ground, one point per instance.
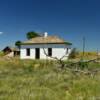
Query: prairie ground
<point x="43" y="80"/>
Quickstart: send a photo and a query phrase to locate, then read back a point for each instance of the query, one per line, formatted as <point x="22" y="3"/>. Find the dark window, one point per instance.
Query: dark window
<point x="28" y="51"/>
<point x="49" y="51"/>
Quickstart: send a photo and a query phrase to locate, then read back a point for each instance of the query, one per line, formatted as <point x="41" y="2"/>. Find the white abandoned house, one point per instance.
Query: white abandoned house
<point x="45" y="47"/>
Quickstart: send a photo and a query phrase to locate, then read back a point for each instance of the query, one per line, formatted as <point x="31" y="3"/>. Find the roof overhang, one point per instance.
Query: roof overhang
<point x="45" y="43"/>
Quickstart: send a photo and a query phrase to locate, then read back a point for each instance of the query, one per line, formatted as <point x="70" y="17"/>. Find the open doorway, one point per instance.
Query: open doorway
<point x="37" y="53"/>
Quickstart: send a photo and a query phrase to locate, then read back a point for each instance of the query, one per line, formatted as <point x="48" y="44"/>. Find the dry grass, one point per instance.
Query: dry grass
<point x="41" y="80"/>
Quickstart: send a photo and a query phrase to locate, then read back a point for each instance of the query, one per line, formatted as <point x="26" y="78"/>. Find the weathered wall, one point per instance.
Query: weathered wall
<point x="58" y="50"/>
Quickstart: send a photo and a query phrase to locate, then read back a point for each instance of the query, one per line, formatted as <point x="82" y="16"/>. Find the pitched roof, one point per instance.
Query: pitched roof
<point x="10" y="48"/>
<point x="46" y="40"/>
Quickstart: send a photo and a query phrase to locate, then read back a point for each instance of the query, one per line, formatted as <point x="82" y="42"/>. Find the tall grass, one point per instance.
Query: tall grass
<point x="41" y="80"/>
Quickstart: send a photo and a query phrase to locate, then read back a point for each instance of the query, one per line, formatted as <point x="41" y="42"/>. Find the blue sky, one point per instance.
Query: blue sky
<point x="69" y="19"/>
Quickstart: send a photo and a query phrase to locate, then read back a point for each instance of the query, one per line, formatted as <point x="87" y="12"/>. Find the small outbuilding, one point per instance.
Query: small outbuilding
<point x="10" y="51"/>
<point x="7" y="50"/>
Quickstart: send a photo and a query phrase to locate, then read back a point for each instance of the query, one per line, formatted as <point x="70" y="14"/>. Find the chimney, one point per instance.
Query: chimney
<point x="45" y="34"/>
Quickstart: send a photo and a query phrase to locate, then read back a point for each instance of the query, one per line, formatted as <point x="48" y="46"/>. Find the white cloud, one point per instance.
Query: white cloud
<point x="1" y="33"/>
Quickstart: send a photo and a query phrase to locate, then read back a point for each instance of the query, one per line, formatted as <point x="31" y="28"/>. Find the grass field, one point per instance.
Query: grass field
<point x="42" y="80"/>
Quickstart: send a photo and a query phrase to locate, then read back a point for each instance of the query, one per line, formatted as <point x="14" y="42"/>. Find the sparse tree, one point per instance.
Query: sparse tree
<point x="31" y="35"/>
<point x="17" y="43"/>
<point x="59" y="60"/>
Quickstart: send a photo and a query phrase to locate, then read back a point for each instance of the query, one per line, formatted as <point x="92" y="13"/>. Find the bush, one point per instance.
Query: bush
<point x="73" y="54"/>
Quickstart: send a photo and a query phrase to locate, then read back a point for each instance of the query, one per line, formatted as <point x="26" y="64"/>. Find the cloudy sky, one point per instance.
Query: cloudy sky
<point x="69" y="19"/>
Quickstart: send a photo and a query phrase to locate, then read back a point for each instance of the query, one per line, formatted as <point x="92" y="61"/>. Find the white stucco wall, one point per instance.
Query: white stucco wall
<point x="58" y="50"/>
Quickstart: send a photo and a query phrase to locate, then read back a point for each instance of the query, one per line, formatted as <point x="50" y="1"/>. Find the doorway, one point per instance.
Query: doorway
<point x="37" y="53"/>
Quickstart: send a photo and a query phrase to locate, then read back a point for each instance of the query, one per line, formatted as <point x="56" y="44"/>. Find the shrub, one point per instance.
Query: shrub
<point x="73" y="54"/>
